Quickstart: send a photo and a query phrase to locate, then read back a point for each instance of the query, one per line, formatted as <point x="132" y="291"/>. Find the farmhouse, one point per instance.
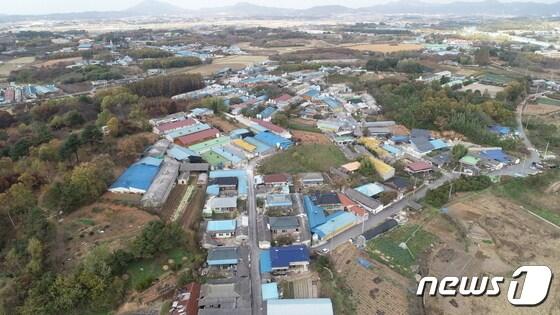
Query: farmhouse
<point x="221" y="228"/>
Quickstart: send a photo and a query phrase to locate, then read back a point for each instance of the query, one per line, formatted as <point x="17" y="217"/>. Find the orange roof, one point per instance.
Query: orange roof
<point x="351" y="205"/>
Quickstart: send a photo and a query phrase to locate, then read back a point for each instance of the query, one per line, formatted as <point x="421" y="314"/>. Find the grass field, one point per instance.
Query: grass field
<point x="14" y="64"/>
<point x="386" y="48"/>
<point x="233" y="62"/>
<point x="304" y="158"/>
<point x="548" y="101"/>
<point x="153" y="268"/>
<point x="386" y="248"/>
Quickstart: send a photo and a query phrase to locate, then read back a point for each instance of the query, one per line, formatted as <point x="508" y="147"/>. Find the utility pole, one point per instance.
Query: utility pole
<point x="546" y="150"/>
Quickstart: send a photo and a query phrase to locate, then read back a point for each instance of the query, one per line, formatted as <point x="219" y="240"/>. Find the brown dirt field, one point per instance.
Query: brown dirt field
<point x="53" y="62"/>
<point x="100" y="223"/>
<point x="234" y="62"/>
<point x="172" y="202"/>
<point x="489" y="235"/>
<point x="310" y="137"/>
<point x="385" y="48"/>
<point x="379" y="290"/>
<point x="194" y="209"/>
<point x="541" y="109"/>
<point x="222" y="123"/>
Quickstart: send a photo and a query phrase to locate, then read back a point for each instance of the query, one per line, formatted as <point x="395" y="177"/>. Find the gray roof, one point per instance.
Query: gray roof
<point x="379" y="130"/>
<point x="312" y="177"/>
<point x="162" y="184"/>
<point x="363" y="199"/>
<point x="194" y="167"/>
<point x="223" y="202"/>
<point x="421" y="139"/>
<point x="223" y="253"/>
<point x="283" y="223"/>
<point x="385" y="123"/>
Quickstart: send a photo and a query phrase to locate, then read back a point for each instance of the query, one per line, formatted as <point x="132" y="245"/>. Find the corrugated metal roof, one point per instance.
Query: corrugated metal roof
<point x="283" y="257"/>
<point x="221" y="225"/>
<point x="370" y="189"/>
<point x="300" y="306"/>
<point x="244" y="145"/>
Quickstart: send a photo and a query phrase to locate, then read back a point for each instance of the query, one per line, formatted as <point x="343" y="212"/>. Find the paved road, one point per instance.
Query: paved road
<point x="257" y="308"/>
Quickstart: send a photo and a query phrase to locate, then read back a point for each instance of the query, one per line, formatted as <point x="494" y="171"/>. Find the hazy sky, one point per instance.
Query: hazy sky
<point x="61" y="6"/>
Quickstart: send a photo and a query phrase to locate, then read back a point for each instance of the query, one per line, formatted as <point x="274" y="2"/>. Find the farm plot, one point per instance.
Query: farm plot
<point x="378" y="289"/>
<point x="385" y="48"/>
<point x="487" y="235"/>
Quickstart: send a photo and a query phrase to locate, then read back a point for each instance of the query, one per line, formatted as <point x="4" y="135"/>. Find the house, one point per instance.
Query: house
<point x="221" y="228"/>
<point x="223" y="257"/>
<point x="353" y="207"/>
<point x="222" y="204"/>
<point x="329" y="201"/>
<point x="418" y="167"/>
<point x="400" y="184"/>
<point x="293" y="257"/>
<point x="312" y="179"/>
<point x="382" y="228"/>
<point x="287" y="225"/>
<point x="351" y="167"/>
<point x="335" y="223"/>
<point x="276" y="180"/>
<point x="197" y="137"/>
<point x="273" y="140"/>
<point x="371" y="189"/>
<point x="322" y="306"/>
<point x="278" y="201"/>
<point x="226" y="184"/>
<point x="370" y="204"/>
<point x="225" y="298"/>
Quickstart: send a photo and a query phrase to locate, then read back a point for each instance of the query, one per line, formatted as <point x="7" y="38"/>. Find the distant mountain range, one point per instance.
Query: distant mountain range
<point x="154" y="8"/>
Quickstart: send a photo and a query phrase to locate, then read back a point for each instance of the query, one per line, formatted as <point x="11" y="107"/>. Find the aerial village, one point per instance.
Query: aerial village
<point x="292" y="215"/>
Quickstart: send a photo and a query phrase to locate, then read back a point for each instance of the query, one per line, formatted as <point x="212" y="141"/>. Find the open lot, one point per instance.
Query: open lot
<point x="482" y="88"/>
<point x="487" y="235"/>
<point x="222" y="123"/>
<point x="234" y="62"/>
<point x="385" y="48"/>
<point x="304" y="158"/>
<point x="378" y="289"/>
<point x="307" y="137"/>
<point x="101" y="223"/>
<point x="14" y="64"/>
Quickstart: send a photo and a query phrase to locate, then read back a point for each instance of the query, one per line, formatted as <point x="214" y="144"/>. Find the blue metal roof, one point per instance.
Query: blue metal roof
<point x="391" y="149"/>
<point x="241" y="178"/>
<point x="438" y="144"/>
<point x="234" y="134"/>
<point x="221" y="225"/>
<point x="273" y="140"/>
<point x="226" y="155"/>
<point x="139" y="175"/>
<point x="187" y="130"/>
<point x="265" y="262"/>
<point x="269" y="291"/>
<point x="282" y="257"/>
<point x="213" y="190"/>
<point x="334" y="223"/>
<point x="278" y="200"/>
<point x="370" y="189"/>
<point x="312" y="93"/>
<point x="267" y="112"/>
<point x="398" y="139"/>
<point x="180" y="153"/>
<point x="500" y="130"/>
<point x="261" y="147"/>
<point x="321" y="306"/>
<point x="497" y="155"/>
<point x="315" y="214"/>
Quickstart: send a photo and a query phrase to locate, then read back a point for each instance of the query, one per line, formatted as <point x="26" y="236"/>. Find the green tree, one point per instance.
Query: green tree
<point x="70" y="147"/>
<point x="458" y="152"/>
<point x="113" y="126"/>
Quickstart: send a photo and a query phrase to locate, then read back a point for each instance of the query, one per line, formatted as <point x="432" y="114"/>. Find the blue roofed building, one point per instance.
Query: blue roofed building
<point x="239" y="133"/>
<point x="180" y="153"/>
<point x="273" y="140"/>
<point x="269" y="291"/>
<point x="371" y="189"/>
<point x="502" y="131"/>
<point x="262" y="148"/>
<point x="265" y="261"/>
<point x="267" y="113"/>
<point x="322" y="306"/>
<point x="234" y="159"/>
<point x="438" y="144"/>
<point x="278" y="201"/>
<point x="315" y="214"/>
<point x="221" y="228"/>
<point x="138" y="177"/>
<point x="241" y="175"/>
<point x="294" y="257"/>
<point x="496" y="155"/>
<point x="223" y="257"/>
<point x="334" y="224"/>
<point x="392" y="149"/>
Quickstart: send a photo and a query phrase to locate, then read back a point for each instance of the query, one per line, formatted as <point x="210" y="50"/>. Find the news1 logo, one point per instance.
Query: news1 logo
<point x="533" y="291"/>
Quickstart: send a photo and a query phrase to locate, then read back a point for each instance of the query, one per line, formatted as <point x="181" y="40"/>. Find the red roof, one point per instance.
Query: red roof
<point x="283" y="98"/>
<point x="188" y="297"/>
<point x="270" y="126"/>
<point x="175" y="125"/>
<point x="275" y="178"/>
<point x="198" y="136"/>
<point x="351" y="205"/>
<point x="419" y="166"/>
